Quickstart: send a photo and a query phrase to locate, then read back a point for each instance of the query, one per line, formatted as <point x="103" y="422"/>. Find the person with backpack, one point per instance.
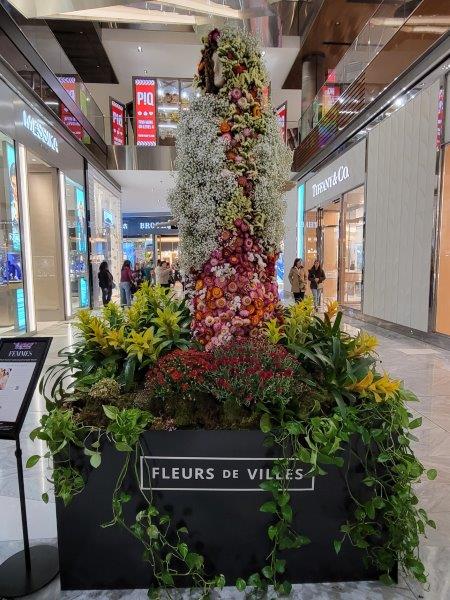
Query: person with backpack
<point x="106" y="282"/>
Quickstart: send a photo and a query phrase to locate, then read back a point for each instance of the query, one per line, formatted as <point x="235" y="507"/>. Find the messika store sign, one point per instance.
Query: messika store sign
<point x="345" y="173"/>
<point x="39" y="131"/>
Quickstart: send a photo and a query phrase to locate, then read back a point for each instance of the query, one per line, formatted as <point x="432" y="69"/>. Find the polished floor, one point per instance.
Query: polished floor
<point x="425" y="369"/>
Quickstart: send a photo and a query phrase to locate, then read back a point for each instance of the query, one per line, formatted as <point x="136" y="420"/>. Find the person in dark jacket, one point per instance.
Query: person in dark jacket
<point x="106" y="282"/>
<point x="316" y="276"/>
<point x="126" y="281"/>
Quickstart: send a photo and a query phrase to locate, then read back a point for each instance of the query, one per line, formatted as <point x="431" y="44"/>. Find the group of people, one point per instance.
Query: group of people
<point x="131" y="280"/>
<point x="299" y="277"/>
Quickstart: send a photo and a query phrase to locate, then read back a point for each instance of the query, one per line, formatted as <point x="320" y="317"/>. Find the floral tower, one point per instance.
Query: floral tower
<point x="232" y="167"/>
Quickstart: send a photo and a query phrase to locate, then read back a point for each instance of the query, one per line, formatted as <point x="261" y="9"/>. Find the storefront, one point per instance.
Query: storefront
<point x="44" y="273"/>
<point x="105" y="221"/>
<point x="332" y="224"/>
<point x="149" y="238"/>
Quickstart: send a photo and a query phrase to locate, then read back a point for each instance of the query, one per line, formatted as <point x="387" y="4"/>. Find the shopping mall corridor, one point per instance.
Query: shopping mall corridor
<point x="425" y="369"/>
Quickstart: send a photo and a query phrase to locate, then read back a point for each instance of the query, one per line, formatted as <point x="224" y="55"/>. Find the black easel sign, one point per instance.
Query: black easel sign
<point x="21" y="362"/>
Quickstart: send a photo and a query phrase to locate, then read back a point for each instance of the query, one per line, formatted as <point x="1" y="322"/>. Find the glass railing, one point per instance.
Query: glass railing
<point x="387" y="19"/>
<point x="45" y="43"/>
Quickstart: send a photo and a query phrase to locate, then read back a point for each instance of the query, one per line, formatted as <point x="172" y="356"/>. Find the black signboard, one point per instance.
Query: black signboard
<point x="215" y="474"/>
<point x="21" y="362"/>
<point x="133" y="226"/>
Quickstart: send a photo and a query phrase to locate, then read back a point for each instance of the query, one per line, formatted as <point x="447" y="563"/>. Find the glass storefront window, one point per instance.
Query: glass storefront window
<point x="310" y="238"/>
<point x="77" y="241"/>
<point x="330" y="249"/>
<point x="12" y="300"/>
<point x="443" y="273"/>
<point x="352" y="248"/>
<point x="106" y="232"/>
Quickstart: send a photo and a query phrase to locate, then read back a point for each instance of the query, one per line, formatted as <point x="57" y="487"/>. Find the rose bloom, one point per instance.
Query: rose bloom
<point x="214" y="262"/>
<point x="209" y="320"/>
<point x="234" y="260"/>
<point x="248" y="243"/>
<point x="225" y="127"/>
<point x="217" y="292"/>
<point x="242" y="103"/>
<point x="232" y="287"/>
<point x="221" y="302"/>
<point x="235" y="94"/>
<point x="226" y="137"/>
<point x="198" y="284"/>
<point x="246" y="300"/>
<point x="226" y="235"/>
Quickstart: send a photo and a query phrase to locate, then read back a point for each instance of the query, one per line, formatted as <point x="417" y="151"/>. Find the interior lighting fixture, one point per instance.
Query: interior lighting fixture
<point x="65" y="246"/>
<point x="139" y="48"/>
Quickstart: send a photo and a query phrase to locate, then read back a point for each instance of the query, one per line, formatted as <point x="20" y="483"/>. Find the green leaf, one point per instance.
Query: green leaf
<point x="183" y="549"/>
<point x="386" y="579"/>
<point x="265" y="424"/>
<point x="32" y="461"/>
<point x="152" y="532"/>
<point x="111" y="412"/>
<point x="45" y="497"/>
<point x="221" y="581"/>
<point x="269" y="507"/>
<point x="123" y="447"/>
<point x="337" y="546"/>
<point x="280" y="565"/>
<point x="293" y="427"/>
<point x="241" y="584"/>
<point x="415" y="423"/>
<point x="96" y="460"/>
<point x="272" y="532"/>
<point x="286" y="511"/>
<point x="431" y="474"/>
<point x="194" y="561"/>
<point x="267" y="572"/>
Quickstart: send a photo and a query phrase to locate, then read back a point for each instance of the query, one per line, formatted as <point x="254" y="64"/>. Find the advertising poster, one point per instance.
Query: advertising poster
<point x="69" y="84"/>
<point x="117" y="119"/>
<point x="282" y="120"/>
<point x="144" y="94"/>
<point x="13" y="197"/>
<point x="21" y="361"/>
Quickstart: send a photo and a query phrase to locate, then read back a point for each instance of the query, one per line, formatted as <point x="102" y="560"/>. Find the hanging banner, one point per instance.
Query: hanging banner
<point x="282" y="120"/>
<point x="117" y="119"/>
<point x="69" y="84"/>
<point x="144" y="95"/>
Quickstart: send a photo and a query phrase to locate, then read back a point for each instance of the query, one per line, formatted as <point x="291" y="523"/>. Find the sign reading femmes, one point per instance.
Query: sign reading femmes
<point x="216" y="474"/>
<point x="21" y="362"/>
<point x="144" y="94"/>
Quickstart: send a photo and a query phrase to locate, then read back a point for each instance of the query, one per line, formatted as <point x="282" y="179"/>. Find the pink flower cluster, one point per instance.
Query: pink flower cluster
<point x="236" y="291"/>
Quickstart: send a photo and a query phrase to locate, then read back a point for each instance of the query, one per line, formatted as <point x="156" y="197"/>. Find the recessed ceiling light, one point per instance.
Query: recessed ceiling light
<point x="145" y="71"/>
<point x="139" y="48"/>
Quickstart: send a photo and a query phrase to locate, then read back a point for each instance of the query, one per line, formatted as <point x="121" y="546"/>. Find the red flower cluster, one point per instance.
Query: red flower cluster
<point x="180" y="370"/>
<point x="246" y="371"/>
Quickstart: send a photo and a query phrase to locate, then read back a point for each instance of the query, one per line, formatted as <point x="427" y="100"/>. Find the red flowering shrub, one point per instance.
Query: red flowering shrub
<point x="177" y="372"/>
<point x="253" y="370"/>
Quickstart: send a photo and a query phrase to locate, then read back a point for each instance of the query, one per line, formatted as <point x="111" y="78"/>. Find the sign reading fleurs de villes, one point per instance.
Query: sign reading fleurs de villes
<point x="144" y="92"/>
<point x="216" y="474"/>
<point x="21" y="362"/>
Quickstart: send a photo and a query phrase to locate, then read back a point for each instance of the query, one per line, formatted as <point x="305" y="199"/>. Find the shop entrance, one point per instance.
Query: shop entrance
<point x="329" y="221"/>
<point x="45" y="240"/>
<point x="334" y="233"/>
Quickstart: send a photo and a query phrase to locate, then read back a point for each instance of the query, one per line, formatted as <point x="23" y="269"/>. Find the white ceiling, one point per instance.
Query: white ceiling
<point x="144" y="191"/>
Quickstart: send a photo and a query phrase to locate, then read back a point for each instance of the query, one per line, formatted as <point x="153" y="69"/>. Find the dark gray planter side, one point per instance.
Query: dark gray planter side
<point x="224" y="521"/>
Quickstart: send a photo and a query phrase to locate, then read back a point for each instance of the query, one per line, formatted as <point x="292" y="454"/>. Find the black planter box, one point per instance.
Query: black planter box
<point x="208" y="480"/>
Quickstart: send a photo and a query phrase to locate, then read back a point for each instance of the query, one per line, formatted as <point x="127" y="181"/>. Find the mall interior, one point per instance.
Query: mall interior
<point x="97" y="100"/>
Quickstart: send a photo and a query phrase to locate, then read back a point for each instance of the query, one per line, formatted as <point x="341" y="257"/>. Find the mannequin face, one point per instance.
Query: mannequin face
<point x="219" y="79"/>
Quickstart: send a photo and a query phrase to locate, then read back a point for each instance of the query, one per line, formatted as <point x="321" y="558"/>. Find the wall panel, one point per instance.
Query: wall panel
<point x="400" y="195"/>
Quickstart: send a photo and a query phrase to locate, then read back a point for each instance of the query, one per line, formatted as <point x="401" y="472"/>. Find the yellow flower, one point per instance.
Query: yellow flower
<point x="273" y="331"/>
<point x="332" y="309"/>
<point x="364" y="344"/>
<point x="116" y="338"/>
<point x="381" y="387"/>
<point x="143" y="344"/>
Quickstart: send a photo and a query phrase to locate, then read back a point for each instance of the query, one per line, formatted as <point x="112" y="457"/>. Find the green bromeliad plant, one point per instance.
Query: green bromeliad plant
<point x="313" y="390"/>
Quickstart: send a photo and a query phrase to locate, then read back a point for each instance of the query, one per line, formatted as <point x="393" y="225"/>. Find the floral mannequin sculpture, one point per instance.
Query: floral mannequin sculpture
<point x="228" y="202"/>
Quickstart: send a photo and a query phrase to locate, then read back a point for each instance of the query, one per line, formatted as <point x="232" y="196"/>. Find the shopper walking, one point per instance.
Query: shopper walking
<point x="298" y="279"/>
<point x="165" y="274"/>
<point x="106" y="282"/>
<point x="316" y="276"/>
<point x="126" y="281"/>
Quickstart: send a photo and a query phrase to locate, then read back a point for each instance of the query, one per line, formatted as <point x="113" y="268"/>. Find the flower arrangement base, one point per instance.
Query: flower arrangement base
<point x="208" y="481"/>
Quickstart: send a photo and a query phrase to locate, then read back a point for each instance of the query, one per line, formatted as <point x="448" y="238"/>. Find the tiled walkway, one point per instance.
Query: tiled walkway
<point x="425" y="369"/>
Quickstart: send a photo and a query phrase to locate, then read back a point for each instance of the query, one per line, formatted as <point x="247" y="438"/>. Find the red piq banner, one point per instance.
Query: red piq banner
<point x="117" y="117"/>
<point x="144" y="111"/>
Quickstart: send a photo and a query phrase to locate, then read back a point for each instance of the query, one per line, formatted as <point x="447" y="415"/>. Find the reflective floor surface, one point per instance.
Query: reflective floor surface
<point x="425" y="369"/>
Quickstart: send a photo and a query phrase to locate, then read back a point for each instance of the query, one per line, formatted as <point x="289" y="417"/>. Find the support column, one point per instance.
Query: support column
<point x="313" y="76"/>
